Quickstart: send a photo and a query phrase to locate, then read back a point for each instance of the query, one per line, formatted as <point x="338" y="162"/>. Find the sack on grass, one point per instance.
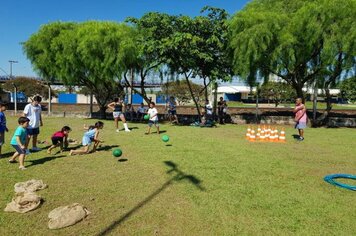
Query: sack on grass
<point x="29" y="186"/>
<point x="24" y="202"/>
<point x="66" y="216"/>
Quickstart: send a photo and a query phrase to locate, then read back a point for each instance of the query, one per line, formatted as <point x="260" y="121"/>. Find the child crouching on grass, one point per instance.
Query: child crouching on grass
<point x="92" y="135"/>
<point x="18" y="141"/>
<point x="60" y="139"/>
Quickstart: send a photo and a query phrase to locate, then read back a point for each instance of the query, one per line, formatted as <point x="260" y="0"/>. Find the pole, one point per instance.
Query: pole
<point x="131" y="89"/>
<point x="49" y="99"/>
<point x="15" y="88"/>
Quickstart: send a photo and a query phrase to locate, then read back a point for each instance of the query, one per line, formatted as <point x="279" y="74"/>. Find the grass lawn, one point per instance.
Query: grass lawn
<point x="221" y="183"/>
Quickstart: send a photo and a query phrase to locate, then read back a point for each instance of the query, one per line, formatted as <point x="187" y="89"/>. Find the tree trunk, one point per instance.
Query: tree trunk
<point x="102" y="113"/>
<point x="215" y="100"/>
<point x="192" y="94"/>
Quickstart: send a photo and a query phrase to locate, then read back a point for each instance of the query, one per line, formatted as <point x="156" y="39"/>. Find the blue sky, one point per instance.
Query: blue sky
<point x="21" y="18"/>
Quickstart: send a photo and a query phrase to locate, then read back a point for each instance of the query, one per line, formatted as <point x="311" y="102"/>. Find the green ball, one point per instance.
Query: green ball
<point x="165" y="138"/>
<point x="117" y="152"/>
<point x="146" y="117"/>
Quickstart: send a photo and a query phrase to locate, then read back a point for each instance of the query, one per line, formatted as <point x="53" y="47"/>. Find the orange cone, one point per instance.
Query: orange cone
<point x="282" y="136"/>
<point x="262" y="135"/>
<point x="248" y="133"/>
<point x="252" y="136"/>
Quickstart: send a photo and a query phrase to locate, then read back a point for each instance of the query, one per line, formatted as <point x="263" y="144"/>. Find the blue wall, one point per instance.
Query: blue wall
<point x="70" y="98"/>
<point x="232" y="97"/>
<point x="137" y="99"/>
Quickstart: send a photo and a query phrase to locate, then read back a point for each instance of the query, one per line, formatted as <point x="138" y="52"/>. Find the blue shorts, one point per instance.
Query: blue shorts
<point x="172" y="112"/>
<point x="151" y="122"/>
<point x="19" y="149"/>
<point x="33" y="131"/>
<point x="300" y="125"/>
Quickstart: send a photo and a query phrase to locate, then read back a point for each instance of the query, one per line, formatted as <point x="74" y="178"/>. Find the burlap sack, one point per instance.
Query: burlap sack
<point x="29" y="186"/>
<point x="66" y="216"/>
<point x="24" y="202"/>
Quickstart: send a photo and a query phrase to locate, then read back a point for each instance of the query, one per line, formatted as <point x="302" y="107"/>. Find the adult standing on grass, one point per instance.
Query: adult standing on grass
<point x="118" y="108"/>
<point x="33" y="112"/>
<point x="172" y="110"/>
<point x="300" y="117"/>
<point x="222" y="106"/>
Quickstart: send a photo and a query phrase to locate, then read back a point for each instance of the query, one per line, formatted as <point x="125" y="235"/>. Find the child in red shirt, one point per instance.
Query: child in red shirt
<point x="60" y="139"/>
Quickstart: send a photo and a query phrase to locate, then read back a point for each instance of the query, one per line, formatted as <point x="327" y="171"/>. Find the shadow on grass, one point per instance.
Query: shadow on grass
<point x="106" y="147"/>
<point x="295" y="136"/>
<point x="178" y="176"/>
<point x="161" y="132"/>
<point x="169" y="145"/>
<point x="6" y="155"/>
<point x="43" y="160"/>
<point x="122" y="160"/>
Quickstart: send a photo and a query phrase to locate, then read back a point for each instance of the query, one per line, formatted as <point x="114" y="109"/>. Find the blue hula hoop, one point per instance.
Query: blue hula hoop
<point x="330" y="180"/>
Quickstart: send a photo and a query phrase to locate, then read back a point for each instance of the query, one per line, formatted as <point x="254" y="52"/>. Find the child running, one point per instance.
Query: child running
<point x="18" y="141"/>
<point x="60" y="139"/>
<point x="91" y="135"/>
<point x="153" y="113"/>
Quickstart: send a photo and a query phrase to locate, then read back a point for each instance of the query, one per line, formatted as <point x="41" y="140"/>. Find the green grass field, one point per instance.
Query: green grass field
<point x="221" y="183"/>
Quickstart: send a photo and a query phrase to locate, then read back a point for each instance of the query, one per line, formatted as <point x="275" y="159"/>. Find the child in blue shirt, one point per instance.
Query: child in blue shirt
<point x="18" y="141"/>
<point x="3" y="126"/>
<point x="92" y="135"/>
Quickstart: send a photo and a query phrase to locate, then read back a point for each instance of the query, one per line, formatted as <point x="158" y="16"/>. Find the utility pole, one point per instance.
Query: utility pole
<point x="15" y="88"/>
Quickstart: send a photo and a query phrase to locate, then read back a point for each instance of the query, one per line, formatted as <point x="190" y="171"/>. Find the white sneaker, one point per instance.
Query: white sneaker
<point x="118" y="130"/>
<point x="127" y="130"/>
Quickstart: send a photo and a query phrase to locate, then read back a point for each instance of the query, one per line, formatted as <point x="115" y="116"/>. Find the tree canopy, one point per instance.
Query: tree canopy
<point x="298" y="41"/>
<point x="92" y="54"/>
<point x="348" y="89"/>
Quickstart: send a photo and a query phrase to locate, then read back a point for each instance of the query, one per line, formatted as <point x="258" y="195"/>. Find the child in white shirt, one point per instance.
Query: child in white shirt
<point x="153" y="113"/>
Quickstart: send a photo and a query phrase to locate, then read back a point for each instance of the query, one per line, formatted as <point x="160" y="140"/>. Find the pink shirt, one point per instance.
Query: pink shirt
<point x="299" y="113"/>
<point x="59" y="134"/>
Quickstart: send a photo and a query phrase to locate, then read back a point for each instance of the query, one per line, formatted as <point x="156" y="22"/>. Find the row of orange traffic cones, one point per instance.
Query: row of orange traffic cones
<point x="270" y="134"/>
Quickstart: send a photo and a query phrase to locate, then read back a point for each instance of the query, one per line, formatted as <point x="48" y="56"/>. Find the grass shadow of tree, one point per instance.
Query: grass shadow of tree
<point x="178" y="176"/>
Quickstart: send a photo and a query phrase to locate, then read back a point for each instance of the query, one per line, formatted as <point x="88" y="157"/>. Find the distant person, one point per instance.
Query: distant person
<point x="221" y="108"/>
<point x="172" y="110"/>
<point x="208" y="110"/>
<point x="90" y="136"/>
<point x="300" y="117"/>
<point x="60" y="139"/>
<point x="153" y="120"/>
<point x="33" y="111"/>
<point x="3" y="127"/>
<point x="118" y="108"/>
<point x="129" y="112"/>
<point x="18" y="141"/>
<point x="141" y="111"/>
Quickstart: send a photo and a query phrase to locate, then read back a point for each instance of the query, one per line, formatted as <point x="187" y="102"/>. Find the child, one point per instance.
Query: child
<point x="3" y="126"/>
<point x="60" y="139"/>
<point x="153" y="113"/>
<point x="300" y="118"/>
<point x="33" y="112"/>
<point x="91" y="135"/>
<point x="118" y="108"/>
<point x="18" y="141"/>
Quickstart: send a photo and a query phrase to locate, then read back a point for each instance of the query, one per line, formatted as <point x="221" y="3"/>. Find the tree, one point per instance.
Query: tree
<point x="277" y="92"/>
<point x="152" y="29"/>
<point x="179" y="89"/>
<point x="91" y="54"/>
<point x="298" y="41"/>
<point x="29" y="86"/>
<point x="348" y="89"/>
